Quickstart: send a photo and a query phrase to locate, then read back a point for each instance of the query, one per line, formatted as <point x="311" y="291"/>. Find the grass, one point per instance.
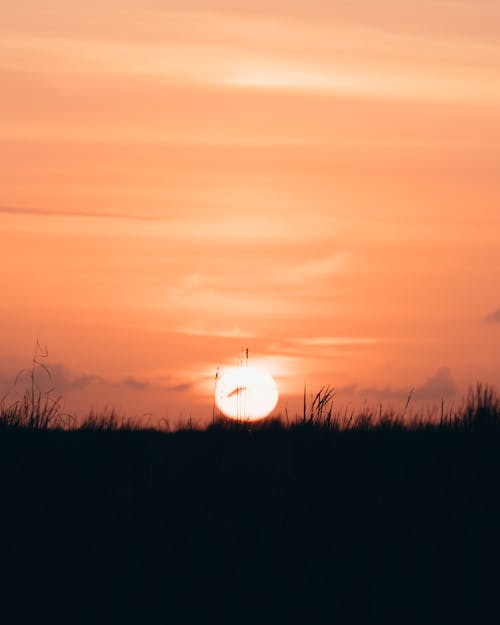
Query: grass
<point x="480" y="411"/>
<point x="364" y="517"/>
<point x="36" y="410"/>
<point x="41" y="410"/>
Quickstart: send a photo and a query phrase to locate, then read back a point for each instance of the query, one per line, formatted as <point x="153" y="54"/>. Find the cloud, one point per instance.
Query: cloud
<point x="134" y="384"/>
<point x="438" y="386"/>
<point x="320" y="267"/>
<point x="348" y="389"/>
<point x="336" y="341"/>
<point x="225" y="333"/>
<point x="48" y="212"/>
<point x="57" y="378"/>
<point x="179" y="388"/>
<point x="61" y="379"/>
<point x="494" y="317"/>
<point x="143" y="385"/>
<point x="387" y="392"/>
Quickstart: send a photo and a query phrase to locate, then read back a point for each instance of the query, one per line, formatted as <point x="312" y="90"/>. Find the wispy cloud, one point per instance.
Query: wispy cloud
<point x="315" y="269"/>
<point x="179" y="388"/>
<point x="335" y="341"/>
<point x="135" y="384"/>
<point x="165" y="384"/>
<point x="331" y="61"/>
<point x="187" y="297"/>
<point x="224" y="333"/>
<point x="56" y="377"/>
<point x="47" y="212"/>
<point x="59" y="379"/>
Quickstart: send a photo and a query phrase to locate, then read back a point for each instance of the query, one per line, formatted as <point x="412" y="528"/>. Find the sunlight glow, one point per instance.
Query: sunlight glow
<point x="246" y="393"/>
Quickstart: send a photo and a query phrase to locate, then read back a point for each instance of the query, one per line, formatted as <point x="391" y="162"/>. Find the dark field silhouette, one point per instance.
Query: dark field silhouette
<point x="375" y="519"/>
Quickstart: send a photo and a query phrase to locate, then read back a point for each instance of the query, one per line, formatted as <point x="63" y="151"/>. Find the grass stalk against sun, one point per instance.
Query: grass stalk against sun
<point x="245" y="392"/>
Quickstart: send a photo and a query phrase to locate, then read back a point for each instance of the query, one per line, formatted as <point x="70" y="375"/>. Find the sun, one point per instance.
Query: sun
<point x="246" y="393"/>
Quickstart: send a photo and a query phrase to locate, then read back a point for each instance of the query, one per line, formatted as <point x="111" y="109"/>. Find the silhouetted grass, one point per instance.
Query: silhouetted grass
<point x="37" y="409"/>
<point x="367" y="517"/>
<point x="480" y="412"/>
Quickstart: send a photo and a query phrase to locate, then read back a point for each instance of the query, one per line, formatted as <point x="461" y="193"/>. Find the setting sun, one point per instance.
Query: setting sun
<point x="246" y="393"/>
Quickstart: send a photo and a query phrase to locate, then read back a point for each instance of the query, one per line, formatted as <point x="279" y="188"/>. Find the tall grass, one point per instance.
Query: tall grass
<point x="37" y="409"/>
<point x="109" y="420"/>
<point x="42" y="410"/>
<point x="480" y="411"/>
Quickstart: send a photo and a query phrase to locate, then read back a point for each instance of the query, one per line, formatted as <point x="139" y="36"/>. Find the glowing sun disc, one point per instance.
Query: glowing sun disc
<point x="246" y="393"/>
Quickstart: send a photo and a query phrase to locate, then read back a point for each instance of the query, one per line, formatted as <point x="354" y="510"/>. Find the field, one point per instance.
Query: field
<point x="329" y="519"/>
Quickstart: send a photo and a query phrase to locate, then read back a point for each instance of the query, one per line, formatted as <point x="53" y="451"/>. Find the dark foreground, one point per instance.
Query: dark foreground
<point x="273" y="526"/>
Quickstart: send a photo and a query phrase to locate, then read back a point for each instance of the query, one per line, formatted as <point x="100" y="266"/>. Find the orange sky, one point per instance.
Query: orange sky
<point x="316" y="181"/>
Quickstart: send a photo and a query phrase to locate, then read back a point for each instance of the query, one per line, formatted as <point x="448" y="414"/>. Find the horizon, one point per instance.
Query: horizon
<point x="34" y="391"/>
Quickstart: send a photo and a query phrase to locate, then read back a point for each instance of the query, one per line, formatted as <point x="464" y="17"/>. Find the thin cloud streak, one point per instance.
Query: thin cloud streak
<point x="228" y="333"/>
<point x="332" y="341"/>
<point x="331" y="61"/>
<point x="47" y="212"/>
<point x="134" y="384"/>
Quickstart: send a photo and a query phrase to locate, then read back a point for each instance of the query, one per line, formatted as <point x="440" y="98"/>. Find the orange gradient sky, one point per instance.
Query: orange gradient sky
<point x="316" y="181"/>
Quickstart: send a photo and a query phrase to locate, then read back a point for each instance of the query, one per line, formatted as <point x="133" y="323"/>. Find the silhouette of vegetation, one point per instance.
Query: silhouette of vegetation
<point x="37" y="409"/>
<point x="371" y="517"/>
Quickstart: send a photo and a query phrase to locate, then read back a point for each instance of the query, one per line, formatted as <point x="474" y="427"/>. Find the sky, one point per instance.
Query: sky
<point x="318" y="182"/>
